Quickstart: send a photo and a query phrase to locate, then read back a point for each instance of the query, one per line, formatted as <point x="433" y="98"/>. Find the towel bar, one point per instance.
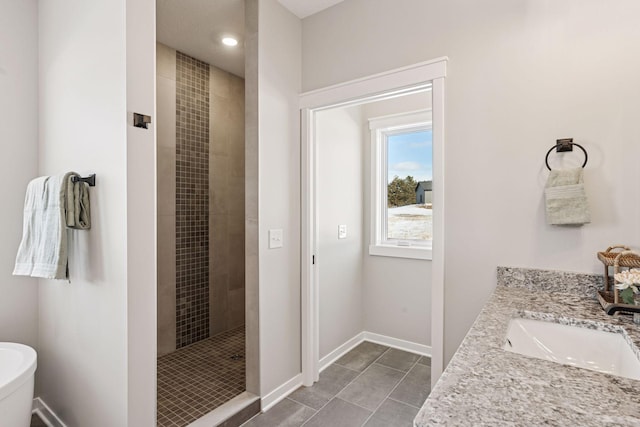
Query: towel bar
<point x="91" y="180"/>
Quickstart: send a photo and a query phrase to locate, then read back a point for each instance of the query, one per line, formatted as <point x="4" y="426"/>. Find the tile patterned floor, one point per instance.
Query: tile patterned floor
<point x="196" y="379"/>
<point x="371" y="386"/>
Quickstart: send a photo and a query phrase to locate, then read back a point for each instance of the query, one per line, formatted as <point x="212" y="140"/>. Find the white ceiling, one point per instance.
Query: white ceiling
<point x="304" y="8"/>
<point x="196" y="27"/>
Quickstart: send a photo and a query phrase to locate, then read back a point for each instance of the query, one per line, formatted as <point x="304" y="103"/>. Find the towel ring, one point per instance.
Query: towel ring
<point x="586" y="156"/>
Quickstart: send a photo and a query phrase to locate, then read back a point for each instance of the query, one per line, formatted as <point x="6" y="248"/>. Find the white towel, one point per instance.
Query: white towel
<point x="566" y="199"/>
<point x="52" y="204"/>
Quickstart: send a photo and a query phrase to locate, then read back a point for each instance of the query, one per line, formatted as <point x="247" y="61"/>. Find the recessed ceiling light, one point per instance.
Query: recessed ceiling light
<point x="229" y="41"/>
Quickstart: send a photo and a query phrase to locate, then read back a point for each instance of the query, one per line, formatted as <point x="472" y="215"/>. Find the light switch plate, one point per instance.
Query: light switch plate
<point x="342" y="232"/>
<point x="275" y="238"/>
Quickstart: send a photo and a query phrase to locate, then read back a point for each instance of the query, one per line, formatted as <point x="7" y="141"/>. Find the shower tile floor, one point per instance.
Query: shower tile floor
<point x="194" y="380"/>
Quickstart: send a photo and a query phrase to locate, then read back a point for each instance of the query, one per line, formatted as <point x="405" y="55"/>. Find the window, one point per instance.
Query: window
<point x="401" y="199"/>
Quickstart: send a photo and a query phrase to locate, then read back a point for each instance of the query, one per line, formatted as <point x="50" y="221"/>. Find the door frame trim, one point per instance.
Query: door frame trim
<point x="384" y="85"/>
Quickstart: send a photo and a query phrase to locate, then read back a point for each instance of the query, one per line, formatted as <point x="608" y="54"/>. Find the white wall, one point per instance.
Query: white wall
<point x="340" y="189"/>
<point x="521" y="75"/>
<point x="357" y="38"/>
<point x="397" y="293"/>
<point x="83" y="103"/>
<point x="141" y="215"/>
<point x="279" y="193"/>
<point x="18" y="164"/>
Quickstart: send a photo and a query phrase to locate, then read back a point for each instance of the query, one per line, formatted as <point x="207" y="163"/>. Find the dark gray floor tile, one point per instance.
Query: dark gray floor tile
<point x="339" y="413"/>
<point x="362" y="356"/>
<point x="415" y="387"/>
<point x="398" y="359"/>
<point x="332" y="380"/>
<point x="375" y="422"/>
<point x="393" y="414"/>
<point x="285" y="414"/>
<point x="424" y="360"/>
<point x="36" y="421"/>
<point x="310" y="397"/>
<point x="244" y="415"/>
<point x="372" y="387"/>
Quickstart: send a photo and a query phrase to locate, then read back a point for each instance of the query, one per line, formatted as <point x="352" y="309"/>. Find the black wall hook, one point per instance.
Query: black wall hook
<point x="141" y="120"/>
<point x="91" y="180"/>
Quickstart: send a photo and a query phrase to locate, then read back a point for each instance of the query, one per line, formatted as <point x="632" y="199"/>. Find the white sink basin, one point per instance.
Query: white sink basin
<point x="600" y="351"/>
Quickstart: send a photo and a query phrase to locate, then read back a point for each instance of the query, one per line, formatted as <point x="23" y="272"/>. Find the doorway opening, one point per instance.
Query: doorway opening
<point x="205" y="370"/>
<point x="352" y="98"/>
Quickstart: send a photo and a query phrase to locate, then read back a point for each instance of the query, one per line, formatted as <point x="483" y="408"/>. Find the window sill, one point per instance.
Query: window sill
<point x="411" y="252"/>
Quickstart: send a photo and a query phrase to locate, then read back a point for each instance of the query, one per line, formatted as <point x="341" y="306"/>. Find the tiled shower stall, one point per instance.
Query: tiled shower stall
<point x="200" y="115"/>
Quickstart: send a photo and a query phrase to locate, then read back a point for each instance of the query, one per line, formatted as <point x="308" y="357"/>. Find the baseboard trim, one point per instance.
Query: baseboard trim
<point x="409" y="346"/>
<point x="46" y="414"/>
<point x="341" y="351"/>
<point x="280" y="392"/>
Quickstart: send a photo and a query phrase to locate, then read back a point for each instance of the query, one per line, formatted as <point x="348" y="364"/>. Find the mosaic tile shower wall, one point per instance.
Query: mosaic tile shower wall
<point x="192" y="200"/>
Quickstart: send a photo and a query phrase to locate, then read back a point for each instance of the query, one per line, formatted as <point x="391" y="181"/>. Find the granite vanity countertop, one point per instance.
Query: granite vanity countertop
<point x="484" y="385"/>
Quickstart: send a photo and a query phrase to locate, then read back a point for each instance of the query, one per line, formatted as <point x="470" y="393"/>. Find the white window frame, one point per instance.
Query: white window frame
<point x="381" y="128"/>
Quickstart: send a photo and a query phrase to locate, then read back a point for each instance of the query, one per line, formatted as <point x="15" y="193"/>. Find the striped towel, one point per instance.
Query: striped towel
<point x="52" y="204"/>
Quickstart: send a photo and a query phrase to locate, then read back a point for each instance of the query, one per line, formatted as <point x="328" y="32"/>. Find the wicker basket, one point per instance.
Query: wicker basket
<point x="618" y="256"/>
<point x="626" y="258"/>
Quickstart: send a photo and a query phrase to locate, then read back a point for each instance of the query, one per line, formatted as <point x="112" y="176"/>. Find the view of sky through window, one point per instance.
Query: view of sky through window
<point x="409" y="208"/>
<point x="410" y="154"/>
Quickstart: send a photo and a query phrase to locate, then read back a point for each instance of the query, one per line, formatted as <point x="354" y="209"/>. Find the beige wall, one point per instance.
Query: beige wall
<point x="252" y="232"/>
<point x="166" y="181"/>
<point x="226" y="198"/>
<point x="226" y="202"/>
